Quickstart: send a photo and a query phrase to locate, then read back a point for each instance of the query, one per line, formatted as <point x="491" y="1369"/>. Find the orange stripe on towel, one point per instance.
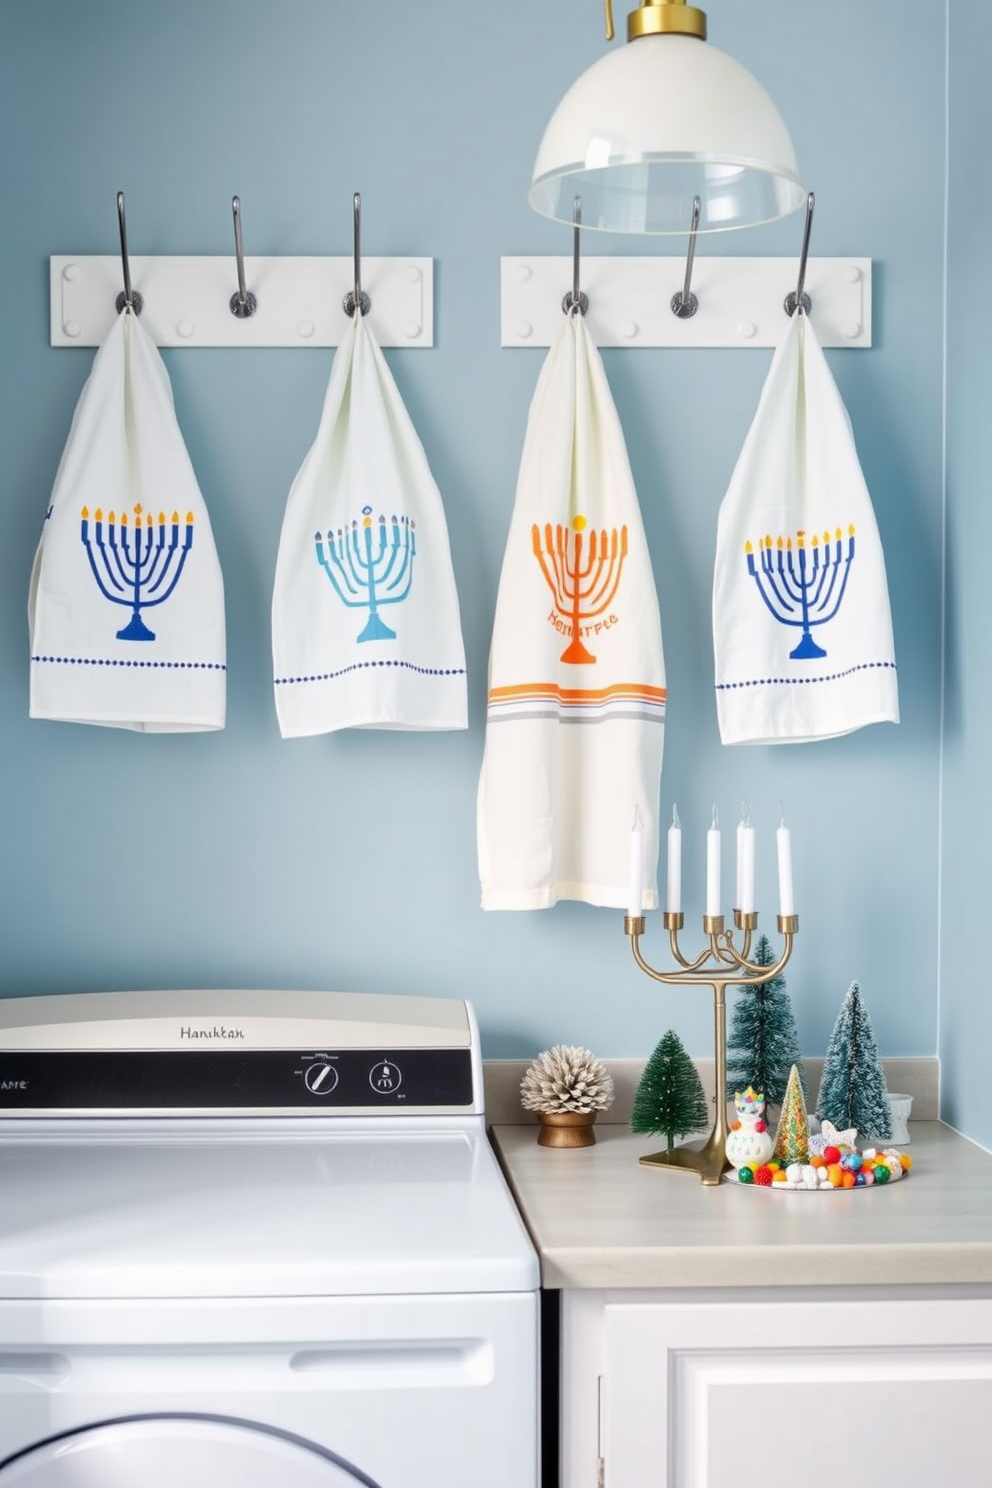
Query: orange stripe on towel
<point x="577" y="695"/>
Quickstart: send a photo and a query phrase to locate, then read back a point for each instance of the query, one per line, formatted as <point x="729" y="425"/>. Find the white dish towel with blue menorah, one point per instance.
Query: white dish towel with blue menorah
<point x="126" y="601"/>
<point x="366" y="630"/>
<point x="802" y="631"/>
<point x="575" y="722"/>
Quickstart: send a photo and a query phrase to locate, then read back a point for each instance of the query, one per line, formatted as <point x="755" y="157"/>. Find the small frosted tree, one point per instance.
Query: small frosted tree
<point x="764" y="1043"/>
<point x="669" y="1096"/>
<point x="853" y="1090"/>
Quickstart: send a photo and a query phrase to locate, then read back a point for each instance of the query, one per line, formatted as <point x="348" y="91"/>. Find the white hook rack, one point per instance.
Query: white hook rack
<point x="741" y="300"/>
<point x="186" y="300"/>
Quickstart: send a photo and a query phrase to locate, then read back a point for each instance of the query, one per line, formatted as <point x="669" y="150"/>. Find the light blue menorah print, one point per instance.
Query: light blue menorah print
<point x="367" y="570"/>
<point x="141" y="571"/>
<point x="802" y="585"/>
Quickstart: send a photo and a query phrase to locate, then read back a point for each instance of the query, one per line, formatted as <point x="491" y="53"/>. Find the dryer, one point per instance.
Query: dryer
<point x="257" y="1238"/>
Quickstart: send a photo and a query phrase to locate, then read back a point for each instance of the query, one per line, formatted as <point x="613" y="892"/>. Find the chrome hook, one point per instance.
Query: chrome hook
<point x="129" y="298"/>
<point x="357" y="296"/>
<point x="244" y="302"/>
<point x="684" y="303"/>
<point x="796" y="299"/>
<point x="575" y="302"/>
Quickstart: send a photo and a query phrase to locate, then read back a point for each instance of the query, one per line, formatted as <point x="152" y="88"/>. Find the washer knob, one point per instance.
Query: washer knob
<point x="385" y="1077"/>
<point x="321" y="1078"/>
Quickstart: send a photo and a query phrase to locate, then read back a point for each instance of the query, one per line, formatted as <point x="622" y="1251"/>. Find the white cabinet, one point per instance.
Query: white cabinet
<point x="868" y="1387"/>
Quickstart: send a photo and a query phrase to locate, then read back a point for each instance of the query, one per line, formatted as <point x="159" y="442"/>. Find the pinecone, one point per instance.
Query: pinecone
<point x="567" y="1079"/>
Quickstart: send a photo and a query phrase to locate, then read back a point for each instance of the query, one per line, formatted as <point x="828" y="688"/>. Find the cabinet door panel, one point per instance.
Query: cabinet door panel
<point x="892" y="1392"/>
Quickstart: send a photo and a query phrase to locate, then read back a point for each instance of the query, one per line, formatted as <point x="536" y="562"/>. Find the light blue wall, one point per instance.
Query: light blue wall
<point x="966" y="1006"/>
<point x="349" y="860"/>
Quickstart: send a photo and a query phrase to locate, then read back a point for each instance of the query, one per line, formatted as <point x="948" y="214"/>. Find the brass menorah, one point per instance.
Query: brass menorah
<point x="719" y="965"/>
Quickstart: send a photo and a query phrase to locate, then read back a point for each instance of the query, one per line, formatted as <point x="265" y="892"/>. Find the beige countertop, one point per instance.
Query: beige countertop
<point x="599" y="1219"/>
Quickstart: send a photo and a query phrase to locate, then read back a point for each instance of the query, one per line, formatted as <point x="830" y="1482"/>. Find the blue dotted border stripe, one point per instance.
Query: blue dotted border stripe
<point x="362" y="666"/>
<point x="183" y="666"/>
<point x="865" y="666"/>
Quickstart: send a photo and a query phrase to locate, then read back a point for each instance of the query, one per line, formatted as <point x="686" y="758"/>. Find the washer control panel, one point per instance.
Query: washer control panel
<point x="215" y="1080"/>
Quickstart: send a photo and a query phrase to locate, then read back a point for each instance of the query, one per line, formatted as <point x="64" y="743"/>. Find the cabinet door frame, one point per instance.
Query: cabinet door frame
<point x="637" y="1366"/>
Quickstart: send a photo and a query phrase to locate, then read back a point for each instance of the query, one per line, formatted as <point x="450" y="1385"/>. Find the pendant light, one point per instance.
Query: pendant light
<point x="658" y="122"/>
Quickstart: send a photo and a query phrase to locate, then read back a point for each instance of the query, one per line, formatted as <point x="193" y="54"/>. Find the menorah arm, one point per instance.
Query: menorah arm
<point x="691" y="973"/>
<point x="120" y="598"/>
<point x="551" y="579"/>
<point x="384" y="599"/>
<point x="325" y="563"/>
<point x="822" y="619"/>
<point x="777" y="603"/>
<point x="148" y="604"/>
<point x="788" y="926"/>
<point x="161" y="560"/>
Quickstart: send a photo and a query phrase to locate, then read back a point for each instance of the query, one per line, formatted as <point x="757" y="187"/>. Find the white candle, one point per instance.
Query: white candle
<point x="713" y="867"/>
<point x="786" y="903"/>
<point x="636" y="893"/>
<point x="673" y="899"/>
<point x="745" y="862"/>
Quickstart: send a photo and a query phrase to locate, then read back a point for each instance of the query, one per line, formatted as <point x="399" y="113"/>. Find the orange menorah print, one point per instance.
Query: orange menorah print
<point x="582" y="569"/>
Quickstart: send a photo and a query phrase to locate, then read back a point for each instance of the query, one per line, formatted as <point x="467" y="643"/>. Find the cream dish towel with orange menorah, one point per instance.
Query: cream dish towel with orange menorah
<point x="366" y="630"/>
<point x="802" y="631"/>
<point x="126" y="603"/>
<point x="576" y="709"/>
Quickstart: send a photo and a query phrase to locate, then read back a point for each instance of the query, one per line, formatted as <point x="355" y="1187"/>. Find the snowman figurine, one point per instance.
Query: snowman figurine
<point x="749" y="1140"/>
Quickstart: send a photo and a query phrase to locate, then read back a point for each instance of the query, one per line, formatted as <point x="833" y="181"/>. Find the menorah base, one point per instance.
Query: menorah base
<point x="376" y="630"/>
<point x="807" y="650"/>
<point x="709" y="1161"/>
<point x="136" y="630"/>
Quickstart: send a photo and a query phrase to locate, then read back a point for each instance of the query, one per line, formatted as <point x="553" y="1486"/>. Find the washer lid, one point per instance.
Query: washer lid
<point x="154" y="1213"/>
<point x="165" y="1451"/>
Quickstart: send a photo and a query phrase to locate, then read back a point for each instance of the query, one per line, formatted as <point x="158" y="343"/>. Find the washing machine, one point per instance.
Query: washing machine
<point x="257" y="1240"/>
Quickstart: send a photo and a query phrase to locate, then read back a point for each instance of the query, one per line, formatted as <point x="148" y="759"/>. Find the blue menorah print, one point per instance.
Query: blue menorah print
<point x="802" y="585"/>
<point x="367" y="570"/>
<point x="140" y="571"/>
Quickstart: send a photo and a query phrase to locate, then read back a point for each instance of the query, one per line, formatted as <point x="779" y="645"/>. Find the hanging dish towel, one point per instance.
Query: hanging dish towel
<point x="365" y="624"/>
<point x="575" y="723"/>
<point x="126" y="604"/>
<point x="802" y="632"/>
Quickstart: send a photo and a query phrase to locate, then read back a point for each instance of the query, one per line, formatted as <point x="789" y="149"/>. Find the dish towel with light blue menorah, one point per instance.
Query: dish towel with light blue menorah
<point x="126" y="603"/>
<point x="576" y="704"/>
<point x="802" y="632"/>
<point x="366" y="630"/>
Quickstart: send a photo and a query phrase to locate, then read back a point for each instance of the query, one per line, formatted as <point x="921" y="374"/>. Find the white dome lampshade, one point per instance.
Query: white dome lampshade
<point x="658" y="122"/>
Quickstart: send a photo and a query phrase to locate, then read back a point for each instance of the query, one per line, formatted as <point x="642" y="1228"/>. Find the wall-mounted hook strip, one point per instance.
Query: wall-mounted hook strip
<point x="129" y="298"/>
<point x="684" y="303"/>
<point x="357" y="296"/>
<point x="187" y="300"/>
<point x="740" y="300"/>
<point x="243" y="303"/>
<point x="796" y="299"/>
<point x="575" y="302"/>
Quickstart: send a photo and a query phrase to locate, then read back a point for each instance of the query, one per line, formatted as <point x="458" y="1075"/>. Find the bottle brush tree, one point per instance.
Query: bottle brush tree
<point x="669" y="1096"/>
<point x="852" y="1089"/>
<point x="763" y="1043"/>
